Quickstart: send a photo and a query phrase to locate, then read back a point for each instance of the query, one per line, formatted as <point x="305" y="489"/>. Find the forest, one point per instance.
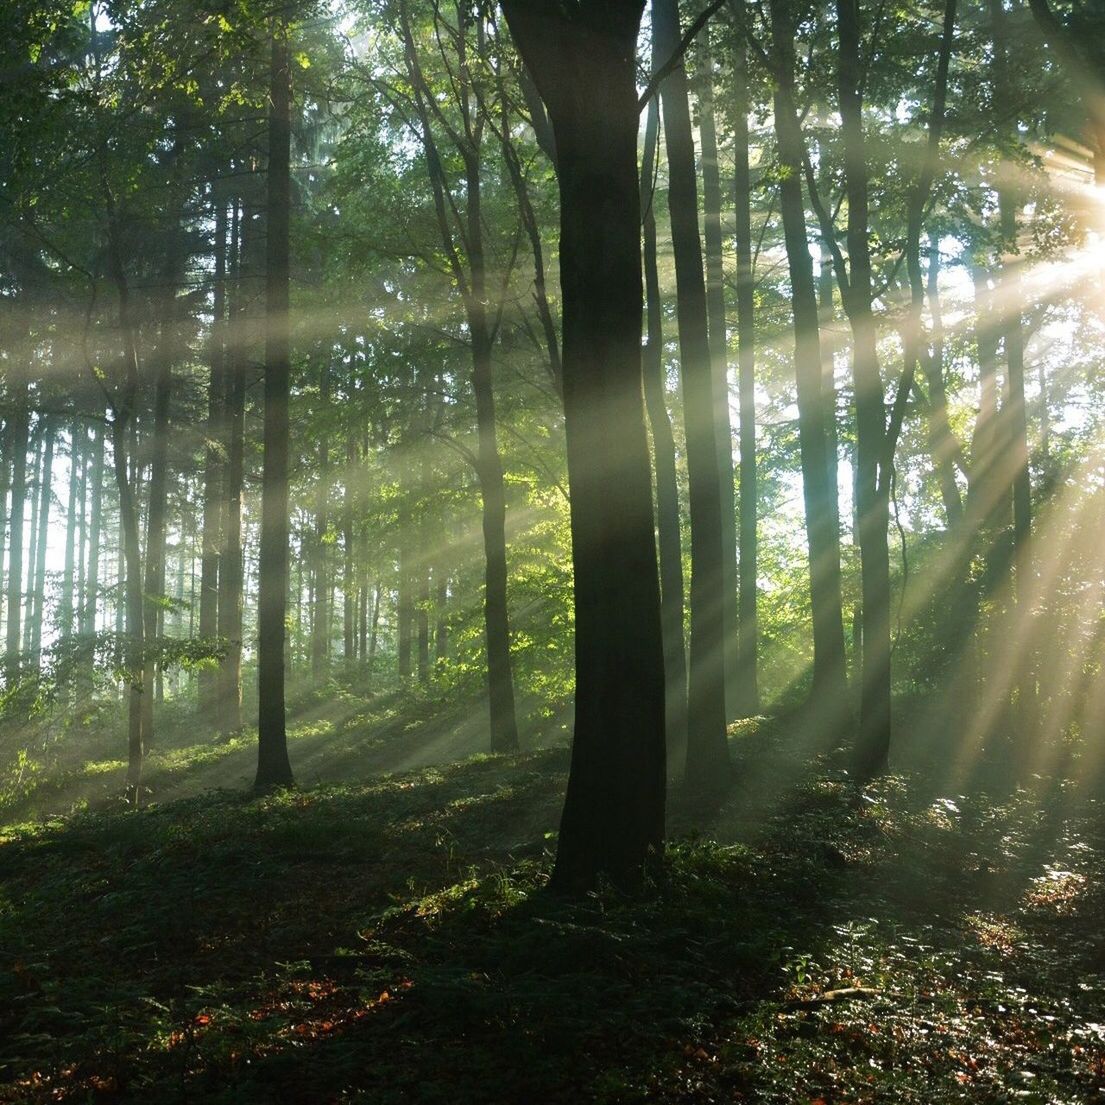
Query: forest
<point x="552" y="551"/>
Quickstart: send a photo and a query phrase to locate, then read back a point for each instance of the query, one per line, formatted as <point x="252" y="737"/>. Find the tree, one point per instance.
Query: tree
<point x="273" y="766"/>
<point x="819" y="492"/>
<point x="707" y="751"/>
<point x="613" y="816"/>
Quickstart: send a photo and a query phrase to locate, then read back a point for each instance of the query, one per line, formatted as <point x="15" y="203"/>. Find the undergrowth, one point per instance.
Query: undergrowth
<point x="394" y="941"/>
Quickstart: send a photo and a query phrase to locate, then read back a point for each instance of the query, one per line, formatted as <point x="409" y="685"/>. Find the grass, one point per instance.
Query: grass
<point x="391" y="939"/>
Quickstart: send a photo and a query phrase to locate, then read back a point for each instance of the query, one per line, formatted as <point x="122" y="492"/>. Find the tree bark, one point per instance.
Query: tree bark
<point x="707" y="764"/>
<point x="232" y="420"/>
<point x="20" y="427"/>
<point x="320" y="624"/>
<point x="1014" y="417"/>
<point x="68" y="578"/>
<point x="719" y="361"/>
<point x="872" y="492"/>
<point x="820" y="494"/>
<point x="613" y="818"/>
<point x="91" y="598"/>
<point x="214" y="466"/>
<point x="39" y="590"/>
<point x="273" y="767"/>
<point x="747" y="691"/>
<point x="667" y="480"/>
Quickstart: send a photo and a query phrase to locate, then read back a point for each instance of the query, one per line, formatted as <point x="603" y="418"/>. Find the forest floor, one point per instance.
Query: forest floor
<point x="389" y="938"/>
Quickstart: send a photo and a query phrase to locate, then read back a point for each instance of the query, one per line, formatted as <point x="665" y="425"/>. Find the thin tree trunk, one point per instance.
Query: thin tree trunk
<point x="404" y="605"/>
<point x="65" y="604"/>
<point x="1015" y="416"/>
<point x="441" y="627"/>
<point x="373" y="635"/>
<point x="91" y="598"/>
<point x="19" y="433"/>
<point x="5" y="486"/>
<point x="80" y="581"/>
<point x="872" y="448"/>
<point x="273" y="766"/>
<point x="667" y="481"/>
<point x="488" y="463"/>
<point x="37" y="453"/>
<point x="349" y="577"/>
<point x="820" y="493"/>
<point x="719" y="360"/>
<point x="942" y="442"/>
<point x="230" y="602"/>
<point x="707" y="750"/>
<point x="155" y="524"/>
<point x="748" y="683"/>
<point x="320" y="624"/>
<point x="214" y="466"/>
<point x="39" y="592"/>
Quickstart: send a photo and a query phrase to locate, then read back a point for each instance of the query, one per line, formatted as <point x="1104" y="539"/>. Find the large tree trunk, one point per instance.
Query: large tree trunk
<point x="819" y="492"/>
<point x="663" y="447"/>
<point x="614" y="809"/>
<point x="273" y="766"/>
<point x="719" y="360"/>
<point x="747" y="691"/>
<point x="707" y="750"/>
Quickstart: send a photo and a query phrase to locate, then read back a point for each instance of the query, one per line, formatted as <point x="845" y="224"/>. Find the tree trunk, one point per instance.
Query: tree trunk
<point x="374" y="634"/>
<point x="349" y="576"/>
<point x="39" y="590"/>
<point x="613" y="817"/>
<point x="707" y="750"/>
<point x="872" y="443"/>
<point x="76" y="463"/>
<point x="820" y="494"/>
<point x="230" y="599"/>
<point x="1014" y="418"/>
<point x="19" y="433"/>
<point x="504" y="725"/>
<point x="320" y="615"/>
<point x="747" y="692"/>
<point x="91" y="598"/>
<point x="214" y="466"/>
<point x="35" y="492"/>
<point x="155" y="525"/>
<point x="273" y="766"/>
<point x="404" y="607"/>
<point x="667" y="480"/>
<point x="441" y="628"/>
<point x="942" y="442"/>
<point x="719" y="360"/>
